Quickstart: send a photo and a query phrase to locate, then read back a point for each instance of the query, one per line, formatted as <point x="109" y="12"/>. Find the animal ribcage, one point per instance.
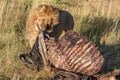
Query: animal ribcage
<point x="74" y="52"/>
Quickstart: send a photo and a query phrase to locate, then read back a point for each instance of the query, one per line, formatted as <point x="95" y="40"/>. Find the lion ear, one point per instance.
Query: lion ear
<point x="43" y="9"/>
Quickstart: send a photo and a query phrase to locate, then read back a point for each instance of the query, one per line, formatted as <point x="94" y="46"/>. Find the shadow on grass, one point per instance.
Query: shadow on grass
<point x="94" y="29"/>
<point x="111" y="55"/>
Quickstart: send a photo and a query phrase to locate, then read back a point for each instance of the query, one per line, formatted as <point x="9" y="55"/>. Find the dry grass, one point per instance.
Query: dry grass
<point x="99" y="20"/>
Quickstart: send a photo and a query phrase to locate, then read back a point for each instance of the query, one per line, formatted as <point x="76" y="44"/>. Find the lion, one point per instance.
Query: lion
<point x="50" y="19"/>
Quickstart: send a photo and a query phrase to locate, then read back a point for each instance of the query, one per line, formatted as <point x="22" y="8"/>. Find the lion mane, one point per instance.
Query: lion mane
<point x="50" y="19"/>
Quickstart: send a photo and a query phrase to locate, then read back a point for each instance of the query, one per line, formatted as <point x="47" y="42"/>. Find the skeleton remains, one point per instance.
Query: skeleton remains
<point x="74" y="53"/>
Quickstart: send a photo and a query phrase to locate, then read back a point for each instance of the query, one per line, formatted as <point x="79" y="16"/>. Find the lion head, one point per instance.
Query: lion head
<point x="47" y="17"/>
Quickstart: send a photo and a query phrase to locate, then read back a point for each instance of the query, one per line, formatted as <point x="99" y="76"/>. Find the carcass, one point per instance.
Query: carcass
<point x="73" y="52"/>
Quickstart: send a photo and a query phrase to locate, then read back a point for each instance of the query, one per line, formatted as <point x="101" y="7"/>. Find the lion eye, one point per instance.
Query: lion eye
<point x="48" y="27"/>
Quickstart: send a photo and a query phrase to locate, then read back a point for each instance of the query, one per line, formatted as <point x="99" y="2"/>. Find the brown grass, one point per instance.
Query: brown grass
<point x="99" y="20"/>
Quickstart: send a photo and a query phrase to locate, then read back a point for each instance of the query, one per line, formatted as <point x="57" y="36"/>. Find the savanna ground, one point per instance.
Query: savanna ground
<point x="99" y="20"/>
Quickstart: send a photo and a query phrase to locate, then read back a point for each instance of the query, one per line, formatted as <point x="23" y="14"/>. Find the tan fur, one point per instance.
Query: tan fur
<point x="50" y="20"/>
